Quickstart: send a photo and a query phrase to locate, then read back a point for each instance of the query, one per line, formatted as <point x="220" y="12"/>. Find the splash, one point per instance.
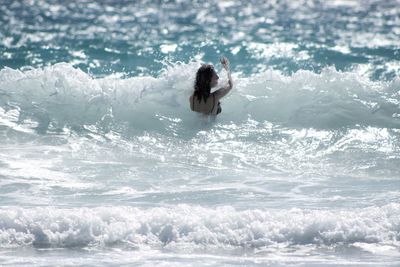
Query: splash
<point x="197" y="227"/>
<point x="61" y="95"/>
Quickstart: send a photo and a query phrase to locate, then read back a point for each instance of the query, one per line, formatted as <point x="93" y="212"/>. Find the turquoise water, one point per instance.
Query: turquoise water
<point x="102" y="163"/>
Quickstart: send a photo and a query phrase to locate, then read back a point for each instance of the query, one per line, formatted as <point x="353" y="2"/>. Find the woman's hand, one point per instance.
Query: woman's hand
<point x="220" y="93"/>
<point x="225" y="63"/>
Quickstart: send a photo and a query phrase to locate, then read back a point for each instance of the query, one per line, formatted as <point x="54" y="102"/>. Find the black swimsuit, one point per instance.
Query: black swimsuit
<point x="219" y="109"/>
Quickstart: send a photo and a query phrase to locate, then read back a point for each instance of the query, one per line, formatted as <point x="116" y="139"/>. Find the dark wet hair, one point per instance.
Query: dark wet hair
<point x="202" y="85"/>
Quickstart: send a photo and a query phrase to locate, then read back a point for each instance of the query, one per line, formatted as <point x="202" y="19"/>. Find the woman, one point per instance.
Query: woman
<point x="202" y="100"/>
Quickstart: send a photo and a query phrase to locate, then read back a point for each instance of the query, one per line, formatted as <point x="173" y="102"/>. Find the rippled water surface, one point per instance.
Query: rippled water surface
<point x="102" y="163"/>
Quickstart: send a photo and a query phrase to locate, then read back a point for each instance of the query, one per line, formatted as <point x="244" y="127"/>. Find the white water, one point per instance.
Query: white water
<point x="61" y="95"/>
<point x="295" y="165"/>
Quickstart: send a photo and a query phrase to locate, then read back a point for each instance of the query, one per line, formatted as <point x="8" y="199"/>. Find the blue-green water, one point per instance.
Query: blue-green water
<point x="140" y="37"/>
<point x="102" y="163"/>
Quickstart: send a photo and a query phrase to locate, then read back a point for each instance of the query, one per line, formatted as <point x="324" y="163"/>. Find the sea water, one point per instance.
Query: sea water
<point x="102" y="163"/>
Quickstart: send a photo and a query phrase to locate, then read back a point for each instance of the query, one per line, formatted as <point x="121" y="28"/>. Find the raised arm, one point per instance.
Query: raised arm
<point x="223" y="91"/>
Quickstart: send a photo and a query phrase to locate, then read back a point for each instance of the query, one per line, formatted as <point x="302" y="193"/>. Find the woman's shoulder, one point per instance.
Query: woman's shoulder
<point x="191" y="102"/>
<point x="192" y="98"/>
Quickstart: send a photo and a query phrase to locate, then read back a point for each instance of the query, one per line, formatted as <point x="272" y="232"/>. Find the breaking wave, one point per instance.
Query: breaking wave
<point x="197" y="227"/>
<point x="62" y="96"/>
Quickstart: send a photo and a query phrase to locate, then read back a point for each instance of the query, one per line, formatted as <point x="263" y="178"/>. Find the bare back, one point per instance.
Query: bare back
<point x="209" y="107"/>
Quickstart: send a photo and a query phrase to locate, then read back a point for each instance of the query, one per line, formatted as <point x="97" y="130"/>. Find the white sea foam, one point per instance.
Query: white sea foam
<point x="197" y="227"/>
<point x="62" y="95"/>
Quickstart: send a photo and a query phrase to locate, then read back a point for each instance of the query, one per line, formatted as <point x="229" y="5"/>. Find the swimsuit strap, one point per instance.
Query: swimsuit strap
<point x="213" y="103"/>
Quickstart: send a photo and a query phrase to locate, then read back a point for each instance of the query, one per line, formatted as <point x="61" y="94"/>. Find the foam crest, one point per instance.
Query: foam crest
<point x="330" y="99"/>
<point x="197" y="227"/>
<point x="61" y="95"/>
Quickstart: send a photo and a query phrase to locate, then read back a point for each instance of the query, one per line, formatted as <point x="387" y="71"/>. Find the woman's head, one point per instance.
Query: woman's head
<point x="206" y="78"/>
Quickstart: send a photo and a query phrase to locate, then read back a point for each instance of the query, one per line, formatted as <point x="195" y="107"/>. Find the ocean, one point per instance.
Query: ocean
<point x="102" y="162"/>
